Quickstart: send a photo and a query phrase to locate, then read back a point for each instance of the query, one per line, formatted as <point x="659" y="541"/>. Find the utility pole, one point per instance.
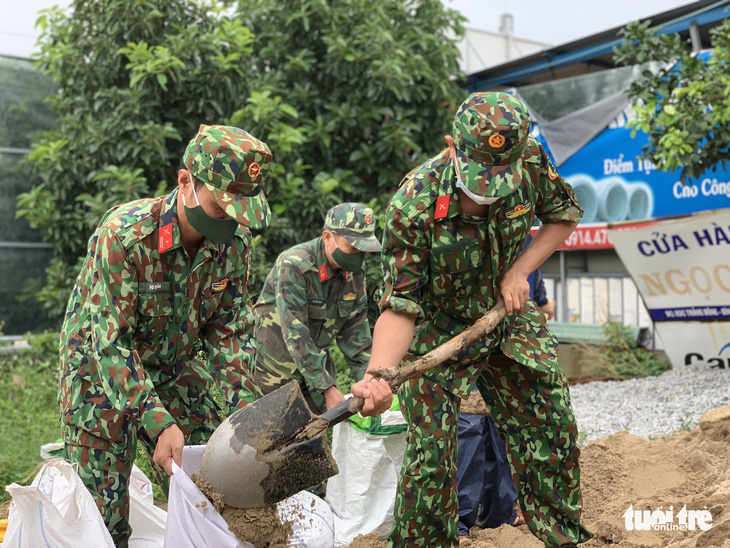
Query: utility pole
<point x="506" y="29"/>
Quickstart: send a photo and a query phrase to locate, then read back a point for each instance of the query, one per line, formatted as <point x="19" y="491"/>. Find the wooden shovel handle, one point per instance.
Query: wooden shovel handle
<point x="398" y="375"/>
<point x="482" y="327"/>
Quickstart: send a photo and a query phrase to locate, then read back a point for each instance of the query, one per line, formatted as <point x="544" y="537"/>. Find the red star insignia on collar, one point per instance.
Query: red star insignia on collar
<point x="165" y="238"/>
<point x="323" y="274"/>
<point x="442" y="207"/>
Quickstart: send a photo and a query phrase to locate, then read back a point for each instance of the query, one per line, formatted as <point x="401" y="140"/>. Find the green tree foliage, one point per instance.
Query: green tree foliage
<point x="372" y="84"/>
<point x="684" y="107"/>
<point x="349" y="95"/>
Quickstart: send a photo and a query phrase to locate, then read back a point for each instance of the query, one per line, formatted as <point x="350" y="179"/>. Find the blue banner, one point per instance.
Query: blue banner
<point x="691" y="313"/>
<point x="613" y="183"/>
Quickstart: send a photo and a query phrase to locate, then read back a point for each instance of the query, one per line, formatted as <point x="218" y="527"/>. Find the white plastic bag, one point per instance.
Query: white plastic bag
<point x="55" y="510"/>
<point x="311" y="520"/>
<point x="362" y="495"/>
<point x="193" y="522"/>
<point x="146" y="519"/>
<point x="191" y="519"/>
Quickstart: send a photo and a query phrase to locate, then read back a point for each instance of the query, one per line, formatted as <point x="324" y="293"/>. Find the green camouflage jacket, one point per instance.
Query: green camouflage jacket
<point x="444" y="266"/>
<point x="303" y="308"/>
<point x="140" y="312"/>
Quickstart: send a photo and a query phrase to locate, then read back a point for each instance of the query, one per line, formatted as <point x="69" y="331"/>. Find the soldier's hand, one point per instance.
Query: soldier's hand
<point x="377" y="395"/>
<point x="333" y="397"/>
<point x="515" y="290"/>
<point x="169" y="448"/>
<point x="548" y="309"/>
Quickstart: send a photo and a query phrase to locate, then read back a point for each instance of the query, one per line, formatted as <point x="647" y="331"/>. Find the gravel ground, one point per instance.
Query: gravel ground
<point x="651" y="407"/>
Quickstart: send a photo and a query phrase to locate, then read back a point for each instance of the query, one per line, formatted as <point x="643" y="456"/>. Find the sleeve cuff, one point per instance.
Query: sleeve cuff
<point x="155" y="420"/>
<point x="401" y="304"/>
<point x="571" y="214"/>
<point x="323" y="384"/>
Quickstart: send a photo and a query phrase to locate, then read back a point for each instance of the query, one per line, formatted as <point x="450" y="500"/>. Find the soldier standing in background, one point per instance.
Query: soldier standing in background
<point x="315" y="296"/>
<point x="452" y="247"/>
<point x="163" y="278"/>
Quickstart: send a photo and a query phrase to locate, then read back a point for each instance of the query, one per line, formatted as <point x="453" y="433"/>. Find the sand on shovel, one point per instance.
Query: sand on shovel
<point x="259" y="526"/>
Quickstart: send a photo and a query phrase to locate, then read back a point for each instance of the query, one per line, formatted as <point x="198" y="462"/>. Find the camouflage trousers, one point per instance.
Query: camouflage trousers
<point x="531" y="407"/>
<point x="105" y="445"/>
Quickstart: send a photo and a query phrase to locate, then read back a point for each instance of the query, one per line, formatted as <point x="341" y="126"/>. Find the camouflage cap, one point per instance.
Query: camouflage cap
<point x="354" y="222"/>
<point x="233" y="164"/>
<point x="490" y="134"/>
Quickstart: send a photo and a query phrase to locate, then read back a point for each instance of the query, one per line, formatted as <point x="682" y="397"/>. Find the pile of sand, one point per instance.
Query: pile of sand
<point x="686" y="469"/>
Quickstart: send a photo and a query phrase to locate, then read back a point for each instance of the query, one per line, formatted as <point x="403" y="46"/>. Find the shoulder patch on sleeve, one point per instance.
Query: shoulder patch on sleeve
<point x="551" y="171"/>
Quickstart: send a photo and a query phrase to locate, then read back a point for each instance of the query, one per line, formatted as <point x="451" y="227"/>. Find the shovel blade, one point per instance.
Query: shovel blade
<point x="250" y="459"/>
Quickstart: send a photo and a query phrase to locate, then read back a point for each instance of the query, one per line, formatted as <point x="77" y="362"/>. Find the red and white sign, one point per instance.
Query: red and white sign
<point x="594" y="235"/>
<point x="681" y="270"/>
<point x="588" y="236"/>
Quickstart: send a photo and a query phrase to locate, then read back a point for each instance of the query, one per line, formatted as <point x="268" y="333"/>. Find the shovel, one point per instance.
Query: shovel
<point x="275" y="446"/>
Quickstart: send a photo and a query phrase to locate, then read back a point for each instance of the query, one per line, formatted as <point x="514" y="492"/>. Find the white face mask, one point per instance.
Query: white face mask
<point x="481" y="200"/>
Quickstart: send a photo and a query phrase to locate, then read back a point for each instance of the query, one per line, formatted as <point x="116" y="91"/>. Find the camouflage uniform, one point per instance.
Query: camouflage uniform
<point x="305" y="306"/>
<point x="138" y="315"/>
<point x="443" y="267"/>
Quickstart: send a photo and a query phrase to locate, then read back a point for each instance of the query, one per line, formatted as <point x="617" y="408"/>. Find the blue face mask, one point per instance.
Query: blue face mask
<point x="219" y="231"/>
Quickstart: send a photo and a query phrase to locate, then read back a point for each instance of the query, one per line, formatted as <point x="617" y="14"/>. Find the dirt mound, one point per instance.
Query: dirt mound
<point x="688" y="470"/>
<point x="367" y="541"/>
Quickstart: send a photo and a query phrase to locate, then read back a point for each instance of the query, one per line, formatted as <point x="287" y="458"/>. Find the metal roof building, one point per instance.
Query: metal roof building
<point x="595" y="53"/>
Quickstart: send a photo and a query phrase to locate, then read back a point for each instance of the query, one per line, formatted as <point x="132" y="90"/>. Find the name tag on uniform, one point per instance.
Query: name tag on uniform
<point x="153" y="287"/>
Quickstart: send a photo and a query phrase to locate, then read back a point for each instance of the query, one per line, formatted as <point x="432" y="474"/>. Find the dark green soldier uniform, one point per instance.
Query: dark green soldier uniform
<point x="443" y="267"/>
<point x="306" y="305"/>
<point x="142" y="309"/>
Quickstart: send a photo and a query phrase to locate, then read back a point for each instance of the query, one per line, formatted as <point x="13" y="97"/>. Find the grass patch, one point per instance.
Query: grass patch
<point x="29" y="414"/>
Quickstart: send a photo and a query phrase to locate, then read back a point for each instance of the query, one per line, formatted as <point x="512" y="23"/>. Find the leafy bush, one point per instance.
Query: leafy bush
<point x="622" y="359"/>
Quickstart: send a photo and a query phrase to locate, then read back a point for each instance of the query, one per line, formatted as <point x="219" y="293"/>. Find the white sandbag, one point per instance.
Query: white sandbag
<point x="146" y="519"/>
<point x="191" y="519"/>
<point x="55" y="510"/>
<point x="362" y="495"/>
<point x="311" y="520"/>
<point x="193" y="522"/>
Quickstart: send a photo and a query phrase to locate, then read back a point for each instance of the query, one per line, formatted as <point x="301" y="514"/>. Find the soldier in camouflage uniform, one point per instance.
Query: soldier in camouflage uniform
<point x="314" y="296"/>
<point x="452" y="244"/>
<point x="163" y="278"/>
